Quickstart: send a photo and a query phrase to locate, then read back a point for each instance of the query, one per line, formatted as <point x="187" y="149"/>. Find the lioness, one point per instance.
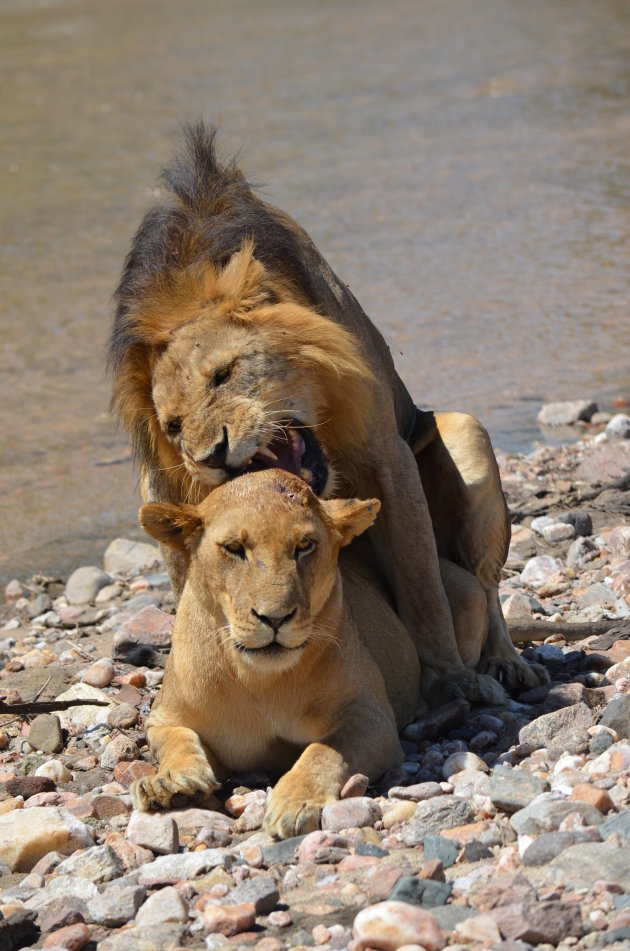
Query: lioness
<point x="236" y="348"/>
<point x="275" y="662"/>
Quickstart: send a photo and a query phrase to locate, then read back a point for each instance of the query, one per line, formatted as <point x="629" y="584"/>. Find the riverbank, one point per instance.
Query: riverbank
<point x="504" y="828"/>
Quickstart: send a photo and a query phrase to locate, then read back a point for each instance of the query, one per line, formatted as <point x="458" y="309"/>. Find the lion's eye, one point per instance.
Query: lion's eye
<point x="222" y="376"/>
<point x="235" y="548"/>
<point x="305" y="547"/>
<point x="174" y="427"/>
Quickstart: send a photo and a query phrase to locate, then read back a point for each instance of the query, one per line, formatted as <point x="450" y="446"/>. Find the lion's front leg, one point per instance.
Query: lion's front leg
<point x="185" y="771"/>
<point x="406" y="545"/>
<point x="366" y="741"/>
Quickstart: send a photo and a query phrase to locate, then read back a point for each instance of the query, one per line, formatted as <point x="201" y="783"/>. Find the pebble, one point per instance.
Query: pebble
<point x="229" y="921"/>
<point x="120" y="747"/>
<point x="154" y="831"/>
<point x="114" y="907"/>
<point x="100" y="673"/>
<point x="73" y="937"/>
<point x="566" y="412"/>
<point x="390" y="925"/>
<point x="356" y="812"/>
<point x="123" y="557"/>
<point x="165" y="905"/>
<point x="84" y="584"/>
<point x="45" y="733"/>
<point x="54" y="770"/>
<point x="27" y="835"/>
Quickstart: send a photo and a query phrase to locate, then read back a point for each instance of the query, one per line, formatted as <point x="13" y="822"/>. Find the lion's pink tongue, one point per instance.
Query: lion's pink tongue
<point x="289" y="452"/>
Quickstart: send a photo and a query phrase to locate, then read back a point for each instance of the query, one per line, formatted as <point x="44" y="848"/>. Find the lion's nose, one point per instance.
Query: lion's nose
<point x="275" y="623"/>
<point x="218" y="454"/>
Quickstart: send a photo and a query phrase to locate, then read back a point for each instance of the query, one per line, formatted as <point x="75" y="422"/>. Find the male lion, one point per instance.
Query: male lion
<point x="236" y="348"/>
<point x="276" y="663"/>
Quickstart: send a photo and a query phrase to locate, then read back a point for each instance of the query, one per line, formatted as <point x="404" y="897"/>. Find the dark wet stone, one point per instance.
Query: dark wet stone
<point x="438" y="722"/>
<point x="366" y="848"/>
<point x="282" y="853"/>
<point x="476" y="851"/>
<point x="617" y="715"/>
<point x="28" y="786"/>
<point x="18" y="930"/>
<point x="425" y="893"/>
<point x="437" y="847"/>
<point x="581" y="521"/>
<point x="547" y="846"/>
<point x="262" y="891"/>
<point x="600" y="743"/>
<point x="513" y="789"/>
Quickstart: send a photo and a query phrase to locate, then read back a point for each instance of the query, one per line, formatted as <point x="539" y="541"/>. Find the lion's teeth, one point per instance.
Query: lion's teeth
<point x="267" y="453"/>
<point x="306" y="474"/>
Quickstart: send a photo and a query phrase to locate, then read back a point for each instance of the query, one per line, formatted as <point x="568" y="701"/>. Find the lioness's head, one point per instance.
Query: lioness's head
<point x="226" y="371"/>
<point x="262" y="553"/>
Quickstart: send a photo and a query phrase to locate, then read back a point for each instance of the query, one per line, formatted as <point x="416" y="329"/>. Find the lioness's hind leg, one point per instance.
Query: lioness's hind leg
<point x="184" y="773"/>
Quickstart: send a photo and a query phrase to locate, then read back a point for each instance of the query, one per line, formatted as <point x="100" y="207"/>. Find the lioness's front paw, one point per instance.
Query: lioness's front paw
<point x="172" y="788"/>
<point x="292" y="808"/>
<point x="514" y="673"/>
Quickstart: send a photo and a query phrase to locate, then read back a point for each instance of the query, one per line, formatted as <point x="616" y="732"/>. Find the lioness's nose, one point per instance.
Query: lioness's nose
<point x="275" y="623"/>
<point x="218" y="454"/>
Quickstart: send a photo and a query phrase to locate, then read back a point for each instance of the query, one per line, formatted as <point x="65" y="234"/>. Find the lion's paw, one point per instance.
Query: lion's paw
<point x="469" y="684"/>
<point x="292" y="809"/>
<point x="167" y="789"/>
<point x="514" y="673"/>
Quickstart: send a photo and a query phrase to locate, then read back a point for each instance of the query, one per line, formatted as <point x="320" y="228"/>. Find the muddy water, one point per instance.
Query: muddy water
<point x="462" y="164"/>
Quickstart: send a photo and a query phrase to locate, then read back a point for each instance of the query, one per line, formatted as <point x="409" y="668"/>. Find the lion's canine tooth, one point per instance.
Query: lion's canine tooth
<point x="267" y="453"/>
<point x="305" y="474"/>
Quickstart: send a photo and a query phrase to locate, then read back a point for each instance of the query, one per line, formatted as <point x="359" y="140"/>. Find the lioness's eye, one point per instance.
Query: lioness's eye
<point x="222" y="376"/>
<point x="305" y="547"/>
<point x="235" y="548"/>
<point x="174" y="427"/>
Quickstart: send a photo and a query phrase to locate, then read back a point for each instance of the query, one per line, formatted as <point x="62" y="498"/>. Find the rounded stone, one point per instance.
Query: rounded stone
<point x="85" y="583"/>
<point x="389" y="925"/>
<point x="357" y="812"/>
<point x="45" y="733"/>
<point x="99" y="674"/>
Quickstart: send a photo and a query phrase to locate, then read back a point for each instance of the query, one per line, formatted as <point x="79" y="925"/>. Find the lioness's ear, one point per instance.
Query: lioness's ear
<point x="177" y="526"/>
<point x="351" y="517"/>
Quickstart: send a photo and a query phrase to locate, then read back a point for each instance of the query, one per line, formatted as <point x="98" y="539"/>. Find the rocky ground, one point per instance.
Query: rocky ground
<point x="505" y="828"/>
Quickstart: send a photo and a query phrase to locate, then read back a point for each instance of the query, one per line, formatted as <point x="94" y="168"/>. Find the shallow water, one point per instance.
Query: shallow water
<point x="463" y="165"/>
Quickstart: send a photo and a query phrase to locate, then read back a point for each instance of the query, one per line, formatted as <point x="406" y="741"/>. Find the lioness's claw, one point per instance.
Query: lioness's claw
<point x="165" y="790"/>
<point x="515" y="673"/>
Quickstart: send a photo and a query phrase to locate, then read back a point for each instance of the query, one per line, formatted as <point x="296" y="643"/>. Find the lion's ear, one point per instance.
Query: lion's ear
<point x="178" y="526"/>
<point x="351" y="517"/>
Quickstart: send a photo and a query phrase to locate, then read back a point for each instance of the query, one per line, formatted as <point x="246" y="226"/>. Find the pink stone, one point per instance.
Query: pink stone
<point x="125" y="773"/>
<point x="99" y="674"/>
<point x="352" y="813"/>
<point x="119" y="748"/>
<point x="315" y="841"/>
<point x="229" y="920"/>
<point x="72" y="937"/>
<point x="355" y="786"/>
<point x="391" y="924"/>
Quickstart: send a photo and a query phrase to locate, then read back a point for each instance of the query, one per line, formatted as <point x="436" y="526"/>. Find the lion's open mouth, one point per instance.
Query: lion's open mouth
<point x="296" y="450"/>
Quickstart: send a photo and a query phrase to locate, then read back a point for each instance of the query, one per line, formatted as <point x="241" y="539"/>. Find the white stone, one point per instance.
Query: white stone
<point x="156" y="832"/>
<point x="538" y="570"/>
<point x="567" y="412"/>
<point x="464" y="760"/>
<point x="63" y="886"/>
<point x="539" y="524"/>
<point x="124" y="557"/>
<point x="618" y="427"/>
<point x="87" y="715"/>
<point x="389" y="925"/>
<point x="558" y="532"/>
<point x="165" y="905"/>
<point x="28" y="834"/>
<point x="517" y="605"/>
<point x="55" y="770"/>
